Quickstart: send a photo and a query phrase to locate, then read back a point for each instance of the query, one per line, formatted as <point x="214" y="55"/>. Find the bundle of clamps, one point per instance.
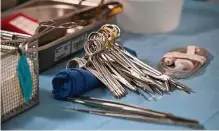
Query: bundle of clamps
<point x="115" y="67"/>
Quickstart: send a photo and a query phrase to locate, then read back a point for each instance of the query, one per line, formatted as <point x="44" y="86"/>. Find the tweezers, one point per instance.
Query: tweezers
<point x="116" y="109"/>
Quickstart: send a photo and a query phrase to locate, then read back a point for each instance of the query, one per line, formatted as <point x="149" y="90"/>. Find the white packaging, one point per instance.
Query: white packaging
<point x="150" y="16"/>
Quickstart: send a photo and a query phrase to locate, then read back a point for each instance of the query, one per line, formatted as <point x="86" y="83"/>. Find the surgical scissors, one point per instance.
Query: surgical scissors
<point x="120" y="57"/>
<point x="118" y="76"/>
<point x="93" y="48"/>
<point x="156" y="73"/>
<point x="115" y="32"/>
<point x="82" y="63"/>
<point x="47" y="26"/>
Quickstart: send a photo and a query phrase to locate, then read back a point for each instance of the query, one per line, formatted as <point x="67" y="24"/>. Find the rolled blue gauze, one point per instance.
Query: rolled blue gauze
<point x="73" y="82"/>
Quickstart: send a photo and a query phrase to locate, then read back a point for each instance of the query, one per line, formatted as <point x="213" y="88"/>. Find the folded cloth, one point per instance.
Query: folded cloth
<point x="75" y="81"/>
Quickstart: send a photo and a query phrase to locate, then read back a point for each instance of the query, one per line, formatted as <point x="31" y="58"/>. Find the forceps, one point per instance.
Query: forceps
<point x="114" y="32"/>
<point x="93" y="48"/>
<point x="156" y="73"/>
<point x="120" y="58"/>
<point x="116" y="85"/>
<point x="116" y="109"/>
<point x="119" y="76"/>
<point x="139" y="77"/>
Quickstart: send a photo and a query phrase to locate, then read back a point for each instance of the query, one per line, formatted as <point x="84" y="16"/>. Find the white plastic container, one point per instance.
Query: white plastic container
<point x="150" y="16"/>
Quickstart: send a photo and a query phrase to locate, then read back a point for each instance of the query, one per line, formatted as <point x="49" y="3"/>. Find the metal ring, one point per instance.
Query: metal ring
<point x="113" y="27"/>
<point x="111" y="33"/>
<point x="105" y="33"/>
<point x="75" y="63"/>
<point x="96" y="35"/>
<point x="91" y="47"/>
<point x="118" y="30"/>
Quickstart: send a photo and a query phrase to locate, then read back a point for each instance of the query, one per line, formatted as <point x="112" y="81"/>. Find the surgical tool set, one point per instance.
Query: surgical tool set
<point x="117" y="69"/>
<point x="120" y="110"/>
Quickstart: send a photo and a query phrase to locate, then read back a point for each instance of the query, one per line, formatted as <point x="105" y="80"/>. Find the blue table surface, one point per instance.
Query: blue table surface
<point x="199" y="26"/>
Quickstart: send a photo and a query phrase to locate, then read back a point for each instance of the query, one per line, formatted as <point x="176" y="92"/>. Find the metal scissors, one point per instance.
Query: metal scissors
<point x="156" y="74"/>
<point x="119" y="77"/>
<point x="83" y="63"/>
<point x="94" y="47"/>
<point x="43" y="29"/>
<point x="120" y="58"/>
<point x="114" y="32"/>
<point x="106" y="73"/>
<point x="46" y="27"/>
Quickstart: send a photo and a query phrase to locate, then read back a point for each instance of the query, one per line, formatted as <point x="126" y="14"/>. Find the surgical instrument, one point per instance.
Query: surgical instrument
<point x="118" y="68"/>
<point x="131" y="112"/>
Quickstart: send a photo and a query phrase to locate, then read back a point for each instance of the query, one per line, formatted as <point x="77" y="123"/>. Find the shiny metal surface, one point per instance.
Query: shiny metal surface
<point x="131" y="112"/>
<point x="46" y="12"/>
<point x="7" y="35"/>
<point x="120" y="69"/>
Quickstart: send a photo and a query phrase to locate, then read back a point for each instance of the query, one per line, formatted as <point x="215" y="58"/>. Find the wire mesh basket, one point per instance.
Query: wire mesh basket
<point x="12" y="100"/>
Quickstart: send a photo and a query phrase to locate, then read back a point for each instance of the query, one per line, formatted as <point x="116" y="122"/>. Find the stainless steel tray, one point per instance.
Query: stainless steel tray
<point x="43" y="10"/>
